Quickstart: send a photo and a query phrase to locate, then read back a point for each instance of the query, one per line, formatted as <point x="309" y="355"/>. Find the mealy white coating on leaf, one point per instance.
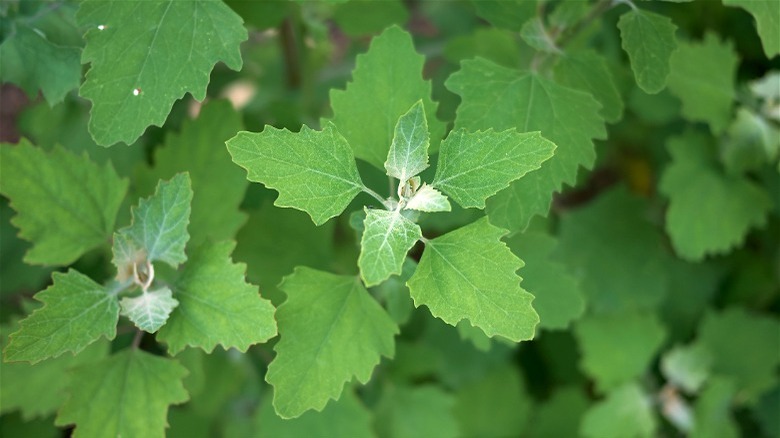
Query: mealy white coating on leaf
<point x="429" y="200"/>
<point x="150" y="310"/>
<point x="408" y="153"/>
<point x="387" y="237"/>
<point x="160" y="222"/>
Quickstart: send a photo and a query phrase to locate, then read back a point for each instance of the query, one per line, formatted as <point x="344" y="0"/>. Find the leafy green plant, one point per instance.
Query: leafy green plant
<point x="481" y="218"/>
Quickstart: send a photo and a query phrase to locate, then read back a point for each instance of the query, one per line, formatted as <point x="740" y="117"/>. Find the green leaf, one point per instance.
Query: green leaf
<point x="159" y="228"/>
<point x="408" y="155"/>
<point x="346" y="417"/>
<point x="558" y="298"/>
<point x="358" y="17"/>
<point x="416" y="412"/>
<point x="313" y="171"/>
<point x="752" y="143"/>
<point x="125" y="395"/>
<point x="34" y="63"/>
<point x="476" y="165"/>
<point x="470" y="274"/>
<point x="649" y="40"/>
<point x="712" y="414"/>
<point x="380" y="92"/>
<point x="767" y="15"/>
<point x="216" y="305"/>
<point x="76" y="312"/>
<point x="495" y="406"/>
<point x="387" y="237"/>
<point x="588" y="71"/>
<point x="501" y="98"/>
<point x="218" y="185"/>
<point x="331" y="330"/>
<point x="687" y="367"/>
<point x="536" y="35"/>
<point x="150" y="310"/>
<point x="395" y="294"/>
<point x="66" y="205"/>
<point x="611" y="231"/>
<point x="560" y="415"/>
<point x="37" y="391"/>
<point x="428" y="199"/>
<point x="146" y="55"/>
<point x="703" y="76"/>
<point x="709" y="212"/>
<point x="507" y="14"/>
<point x="618" y="348"/>
<point x="627" y="411"/>
<point x="743" y="347"/>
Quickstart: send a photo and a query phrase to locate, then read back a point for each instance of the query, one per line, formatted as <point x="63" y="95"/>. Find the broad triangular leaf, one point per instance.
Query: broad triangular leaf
<point x="501" y="98"/>
<point x="331" y="331"/>
<point x="709" y="212"/>
<point x="428" y="199"/>
<point x="627" y="411"/>
<point x="76" y="312"/>
<point x="37" y="391"/>
<point x="159" y="228"/>
<point x="588" y="71"/>
<point x="199" y="149"/>
<point x="703" y="76"/>
<point x="313" y="171"/>
<point x="470" y="274"/>
<point x="57" y="191"/>
<point x="126" y="395"/>
<point x="408" y="153"/>
<point x="476" y="165"/>
<point x="387" y="237"/>
<point x="649" y="40"/>
<point x="216" y="305"/>
<point x="380" y="92"/>
<point x="145" y="55"/>
<point x="767" y="15"/>
<point x="558" y="297"/>
<point x="33" y="62"/>
<point x="150" y="310"/>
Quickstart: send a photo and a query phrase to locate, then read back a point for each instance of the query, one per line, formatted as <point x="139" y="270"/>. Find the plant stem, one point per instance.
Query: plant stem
<point x="376" y="195"/>
<point x="139" y="334"/>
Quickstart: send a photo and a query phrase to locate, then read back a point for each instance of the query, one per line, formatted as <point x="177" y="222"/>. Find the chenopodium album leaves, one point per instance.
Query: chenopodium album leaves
<point x="315" y="171"/>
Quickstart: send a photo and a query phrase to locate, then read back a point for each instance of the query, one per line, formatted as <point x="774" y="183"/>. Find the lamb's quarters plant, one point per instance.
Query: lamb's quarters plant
<point x="487" y="218"/>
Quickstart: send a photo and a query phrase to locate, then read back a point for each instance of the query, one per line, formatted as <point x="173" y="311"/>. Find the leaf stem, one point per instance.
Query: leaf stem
<point x="139" y="335"/>
<point x="375" y="195"/>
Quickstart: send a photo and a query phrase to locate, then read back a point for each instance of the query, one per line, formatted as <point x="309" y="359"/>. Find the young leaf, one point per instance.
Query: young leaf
<point x="709" y="212"/>
<point x="586" y="70"/>
<point x="150" y="310"/>
<point x="144" y="56"/>
<point x="218" y="185"/>
<point x="558" y="297"/>
<point x="125" y="395"/>
<point x="649" y="40"/>
<point x="34" y="63"/>
<point x="408" y="154"/>
<point x="216" y="305"/>
<point x="627" y="411"/>
<point x="618" y="348"/>
<point x="713" y="412"/>
<point x="159" y="227"/>
<point x="313" y="171"/>
<point x="428" y="199"/>
<point x="331" y="330"/>
<point x="58" y="191"/>
<point x="703" y="76"/>
<point x="687" y="367"/>
<point x="380" y="92"/>
<point x="535" y="35"/>
<point x="76" y="312"/>
<point x="470" y="274"/>
<point x="767" y="15"/>
<point x="387" y="237"/>
<point x="476" y="165"/>
<point x="501" y="98"/>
